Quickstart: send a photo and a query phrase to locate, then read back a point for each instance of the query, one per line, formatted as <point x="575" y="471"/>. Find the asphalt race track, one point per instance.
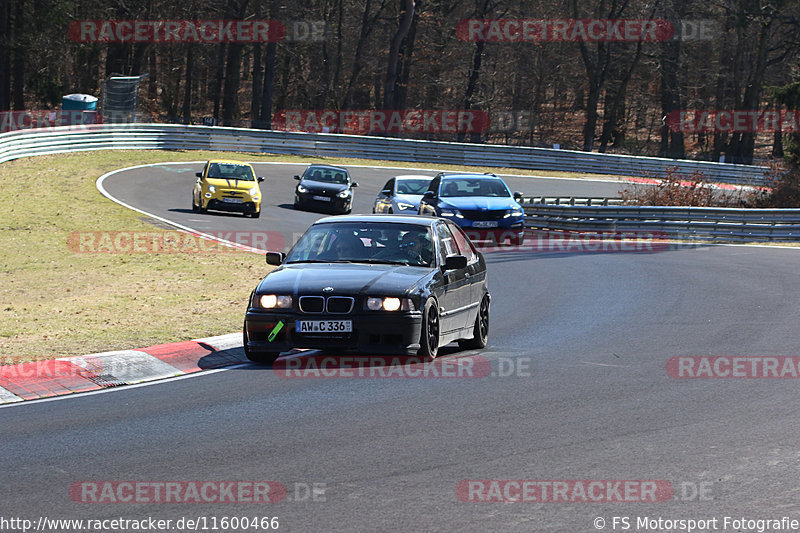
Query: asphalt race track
<point x="578" y="390"/>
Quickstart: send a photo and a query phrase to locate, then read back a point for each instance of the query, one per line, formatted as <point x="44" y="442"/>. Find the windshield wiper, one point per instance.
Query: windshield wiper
<point x="369" y="261"/>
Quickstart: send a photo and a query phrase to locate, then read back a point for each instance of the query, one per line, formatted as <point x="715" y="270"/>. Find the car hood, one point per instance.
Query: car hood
<point x="345" y="278"/>
<point x="232" y="183"/>
<point x="413" y="199"/>
<point x="479" y="202"/>
<point x="320" y="186"/>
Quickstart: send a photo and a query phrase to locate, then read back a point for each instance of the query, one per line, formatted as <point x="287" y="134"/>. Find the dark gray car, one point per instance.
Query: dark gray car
<point x="373" y="283"/>
<point x="324" y="188"/>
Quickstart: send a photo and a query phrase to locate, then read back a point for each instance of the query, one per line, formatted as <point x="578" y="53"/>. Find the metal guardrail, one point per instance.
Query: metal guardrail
<point x="696" y="223"/>
<point x="26" y="143"/>
<point x="570" y="200"/>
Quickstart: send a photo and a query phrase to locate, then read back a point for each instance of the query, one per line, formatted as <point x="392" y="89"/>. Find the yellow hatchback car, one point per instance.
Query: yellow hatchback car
<point x="225" y="185"/>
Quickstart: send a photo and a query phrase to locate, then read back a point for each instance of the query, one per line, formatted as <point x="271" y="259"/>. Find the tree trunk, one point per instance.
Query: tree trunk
<point x="389" y="85"/>
<point x="743" y="143"/>
<point x="216" y="92"/>
<point x="367" y="24"/>
<point x="596" y="69"/>
<point x="18" y="61"/>
<point x="5" y="56"/>
<point x="474" y="71"/>
<point x="406" y="60"/>
<point x="187" y="90"/>
<point x="258" y="79"/>
<point x="230" y="97"/>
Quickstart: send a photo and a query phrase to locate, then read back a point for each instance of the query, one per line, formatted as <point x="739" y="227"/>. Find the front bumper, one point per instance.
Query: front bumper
<point x="378" y="332"/>
<point x="335" y="204"/>
<point x="244" y="207"/>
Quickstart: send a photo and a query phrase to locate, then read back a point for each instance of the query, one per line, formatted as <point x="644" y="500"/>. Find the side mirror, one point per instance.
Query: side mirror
<point x="297" y="178"/>
<point x="260" y="179"/>
<point x="198" y="174"/>
<point x="429" y="194"/>
<point x="517" y="196"/>
<point x="387" y="192"/>
<point x="455" y="262"/>
<point x="354" y="184"/>
<point x="275" y="258"/>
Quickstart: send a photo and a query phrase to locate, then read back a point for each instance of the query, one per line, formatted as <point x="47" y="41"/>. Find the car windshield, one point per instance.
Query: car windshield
<point x="353" y="242"/>
<point x="327" y="175"/>
<point x="231" y="171"/>
<point x="412" y="186"/>
<point x="453" y="187"/>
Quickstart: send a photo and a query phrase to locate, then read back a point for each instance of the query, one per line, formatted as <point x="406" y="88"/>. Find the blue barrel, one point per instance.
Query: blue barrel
<point x="79" y="102"/>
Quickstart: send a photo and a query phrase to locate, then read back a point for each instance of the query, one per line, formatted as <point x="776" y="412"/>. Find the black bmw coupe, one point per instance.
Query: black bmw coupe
<point x="373" y="283"/>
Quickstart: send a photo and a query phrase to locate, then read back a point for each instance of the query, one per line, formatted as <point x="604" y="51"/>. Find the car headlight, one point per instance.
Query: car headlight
<point x="344" y="194"/>
<point x="253" y="191"/>
<point x="452" y="213"/>
<point x="301" y="189"/>
<point x="404" y="206"/>
<point x="273" y="301"/>
<point x="212" y="189"/>
<point x="516" y="212"/>
<point x="389" y="303"/>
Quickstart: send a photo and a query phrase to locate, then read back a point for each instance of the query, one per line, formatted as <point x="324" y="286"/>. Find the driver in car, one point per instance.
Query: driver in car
<point x="416" y="248"/>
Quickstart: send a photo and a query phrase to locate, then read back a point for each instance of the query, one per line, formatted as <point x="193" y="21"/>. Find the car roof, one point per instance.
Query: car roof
<point x="413" y="177"/>
<point x="320" y="165"/>
<point x="229" y="162"/>
<point x="393" y="219"/>
<point x="471" y="175"/>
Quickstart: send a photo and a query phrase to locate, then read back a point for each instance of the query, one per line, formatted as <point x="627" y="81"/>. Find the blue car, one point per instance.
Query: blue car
<point x="481" y="204"/>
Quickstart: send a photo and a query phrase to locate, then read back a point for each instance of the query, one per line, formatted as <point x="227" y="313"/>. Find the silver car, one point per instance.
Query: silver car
<point x="402" y="194"/>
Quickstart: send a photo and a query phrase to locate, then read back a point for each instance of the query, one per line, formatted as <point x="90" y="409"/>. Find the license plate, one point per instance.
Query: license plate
<point x="321" y="198"/>
<point x="324" y="326"/>
<point x="484" y="224"/>
<point x="232" y="200"/>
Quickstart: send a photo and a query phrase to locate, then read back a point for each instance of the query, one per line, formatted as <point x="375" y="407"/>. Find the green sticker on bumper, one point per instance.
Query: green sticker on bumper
<point x="274" y="333"/>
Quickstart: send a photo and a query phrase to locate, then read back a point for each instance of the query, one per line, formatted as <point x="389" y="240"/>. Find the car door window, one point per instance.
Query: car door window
<point x="446" y="245"/>
<point x="389" y="185"/>
<point x="464" y="245"/>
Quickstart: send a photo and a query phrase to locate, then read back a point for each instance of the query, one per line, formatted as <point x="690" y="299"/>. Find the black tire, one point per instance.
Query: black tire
<point x="195" y="209"/>
<point x="257" y="357"/>
<point x="480" y="332"/>
<point x="200" y="208"/>
<point x="517" y="241"/>
<point x="429" y="334"/>
<point x="255" y="214"/>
